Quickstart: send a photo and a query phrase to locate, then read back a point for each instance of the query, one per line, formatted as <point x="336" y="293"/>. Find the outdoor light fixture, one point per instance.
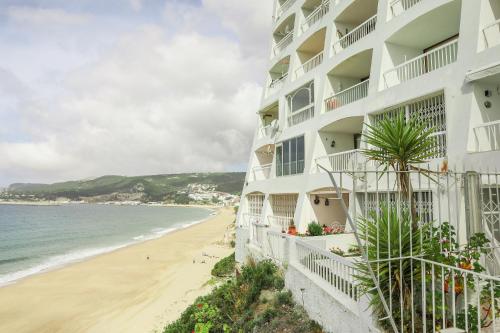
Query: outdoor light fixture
<point x="327" y="202"/>
<point x="333" y="144"/>
<point x="487" y="104"/>
<point x="316" y="200"/>
<point x="488" y="93"/>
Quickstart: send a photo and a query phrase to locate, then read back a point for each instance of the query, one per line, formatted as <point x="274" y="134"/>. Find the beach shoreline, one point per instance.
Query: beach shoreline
<point x="166" y="265"/>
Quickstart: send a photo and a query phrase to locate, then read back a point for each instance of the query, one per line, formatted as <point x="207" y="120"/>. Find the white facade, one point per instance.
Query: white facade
<point x="336" y="65"/>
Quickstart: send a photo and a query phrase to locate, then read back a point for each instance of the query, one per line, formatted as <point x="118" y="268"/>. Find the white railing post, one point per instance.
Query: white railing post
<point x="283" y="43"/>
<point x="425" y="63"/>
<point x="262" y="172"/>
<point x="283" y="8"/>
<point x="277" y="84"/>
<point x="316" y="15"/>
<point x="356" y="34"/>
<point x="487" y="136"/>
<point x="301" y="115"/>
<point x="343" y="161"/>
<point x="347" y="96"/>
<point x="399" y="6"/>
<point x="309" y="65"/>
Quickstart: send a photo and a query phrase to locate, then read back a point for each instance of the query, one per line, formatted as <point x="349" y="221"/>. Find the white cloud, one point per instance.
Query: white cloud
<point x="155" y="102"/>
<point x="136" y="4"/>
<point x="41" y="16"/>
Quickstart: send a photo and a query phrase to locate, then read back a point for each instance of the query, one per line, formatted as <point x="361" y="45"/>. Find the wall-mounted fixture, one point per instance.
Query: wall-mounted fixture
<point x="333" y="144"/>
<point x="487" y="104"/>
<point x="316" y="200"/>
<point x="327" y="202"/>
<point x="488" y="93"/>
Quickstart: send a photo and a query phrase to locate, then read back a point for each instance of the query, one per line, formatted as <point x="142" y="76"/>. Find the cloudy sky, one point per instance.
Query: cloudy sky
<point x="129" y="87"/>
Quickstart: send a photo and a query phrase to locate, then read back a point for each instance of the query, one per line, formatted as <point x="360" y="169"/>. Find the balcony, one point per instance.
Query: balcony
<point x="356" y="34"/>
<point x="423" y="64"/>
<point x="262" y="172"/>
<point x="344" y="161"/>
<point x="301" y="105"/>
<point x="283" y="43"/>
<point x="491" y="34"/>
<point x="315" y="16"/>
<point x="283" y="8"/>
<point x="309" y="65"/>
<point x="398" y="7"/>
<point x="283" y="35"/>
<point x="347" y="96"/>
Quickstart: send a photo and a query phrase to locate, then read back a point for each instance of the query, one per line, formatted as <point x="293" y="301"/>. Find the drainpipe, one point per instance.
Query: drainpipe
<point x="472" y="196"/>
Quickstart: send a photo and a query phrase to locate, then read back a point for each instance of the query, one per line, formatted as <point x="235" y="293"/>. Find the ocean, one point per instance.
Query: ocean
<point x="34" y="239"/>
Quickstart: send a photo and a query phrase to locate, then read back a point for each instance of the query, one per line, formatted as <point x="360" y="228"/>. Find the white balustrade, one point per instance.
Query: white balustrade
<point x="491" y="34"/>
<point x="400" y="6"/>
<point x="278" y="246"/>
<point x="259" y="234"/>
<point x="283" y="8"/>
<point x="487" y="136"/>
<point x="347" y="96"/>
<point x="276" y="85"/>
<point x="335" y="270"/>
<point x="309" y="65"/>
<point x="280" y="222"/>
<point x="355" y="35"/>
<point x="344" y="161"/>
<point x="283" y="43"/>
<point x="425" y="63"/>
<point x="262" y="172"/>
<point x="316" y="15"/>
<point x="301" y="115"/>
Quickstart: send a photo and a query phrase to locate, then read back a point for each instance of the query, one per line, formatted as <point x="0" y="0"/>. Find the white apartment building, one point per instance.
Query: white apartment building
<point x="340" y="64"/>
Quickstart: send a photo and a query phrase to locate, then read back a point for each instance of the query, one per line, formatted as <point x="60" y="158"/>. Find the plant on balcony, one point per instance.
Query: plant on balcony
<point x="314" y="229"/>
<point x="400" y="144"/>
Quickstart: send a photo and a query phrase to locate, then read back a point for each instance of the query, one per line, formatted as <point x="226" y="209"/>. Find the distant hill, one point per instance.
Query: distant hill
<point x="143" y="188"/>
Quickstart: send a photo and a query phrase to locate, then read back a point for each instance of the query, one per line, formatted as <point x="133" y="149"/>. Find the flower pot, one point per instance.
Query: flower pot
<point x="292" y="230"/>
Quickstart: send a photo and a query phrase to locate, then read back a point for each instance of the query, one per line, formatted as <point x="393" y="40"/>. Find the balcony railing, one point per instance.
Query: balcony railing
<point x="344" y="161"/>
<point x="491" y="34"/>
<point x="487" y="136"/>
<point x="283" y="43"/>
<point x="258" y="235"/>
<point x="280" y="222"/>
<point x="309" y="65"/>
<point x="277" y="84"/>
<point x="248" y="219"/>
<point x="268" y="131"/>
<point x="400" y="6"/>
<point x="262" y="172"/>
<point x="333" y="269"/>
<point x="316" y="15"/>
<point x="301" y="115"/>
<point x="355" y="35"/>
<point x="347" y="96"/>
<point x="425" y="63"/>
<point x="283" y="8"/>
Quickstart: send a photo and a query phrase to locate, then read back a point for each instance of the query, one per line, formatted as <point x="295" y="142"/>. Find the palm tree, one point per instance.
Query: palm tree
<point x="400" y="144"/>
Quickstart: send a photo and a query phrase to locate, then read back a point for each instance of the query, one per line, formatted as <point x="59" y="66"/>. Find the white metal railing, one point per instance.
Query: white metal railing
<point x="309" y="65"/>
<point x="262" y="172"/>
<point x="291" y="168"/>
<point x="283" y="8"/>
<point x="491" y="34"/>
<point x="248" y="219"/>
<point x="277" y="84"/>
<point x="301" y="115"/>
<point x="344" y="161"/>
<point x="355" y="35"/>
<point x="335" y="270"/>
<point x="487" y="136"/>
<point x="268" y="131"/>
<point x="280" y="222"/>
<point x="283" y="43"/>
<point x="259" y="234"/>
<point x="425" y="63"/>
<point x="400" y="6"/>
<point x="316" y="15"/>
<point x="347" y="96"/>
<point x="277" y="248"/>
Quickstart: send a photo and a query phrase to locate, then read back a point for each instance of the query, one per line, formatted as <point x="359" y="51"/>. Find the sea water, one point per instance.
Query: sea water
<point x="35" y="239"/>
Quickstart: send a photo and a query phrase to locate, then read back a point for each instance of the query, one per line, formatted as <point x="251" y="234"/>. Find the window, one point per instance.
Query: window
<point x="290" y="157"/>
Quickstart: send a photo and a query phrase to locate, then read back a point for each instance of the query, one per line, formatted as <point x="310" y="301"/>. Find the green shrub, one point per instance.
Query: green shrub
<point x="314" y="229"/>
<point x="224" y="267"/>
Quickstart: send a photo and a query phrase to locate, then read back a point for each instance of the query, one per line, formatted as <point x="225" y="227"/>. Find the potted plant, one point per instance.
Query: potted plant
<point x="292" y="230"/>
<point x="314" y="229"/>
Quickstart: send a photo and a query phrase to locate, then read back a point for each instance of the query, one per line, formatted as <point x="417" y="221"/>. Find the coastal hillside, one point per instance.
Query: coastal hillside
<point x="175" y="188"/>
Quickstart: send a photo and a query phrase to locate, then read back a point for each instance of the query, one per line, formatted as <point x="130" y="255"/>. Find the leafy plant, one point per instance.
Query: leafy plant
<point x="314" y="229"/>
<point x="224" y="267"/>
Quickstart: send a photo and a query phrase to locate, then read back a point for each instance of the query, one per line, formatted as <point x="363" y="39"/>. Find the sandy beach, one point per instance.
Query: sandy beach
<point x="121" y="291"/>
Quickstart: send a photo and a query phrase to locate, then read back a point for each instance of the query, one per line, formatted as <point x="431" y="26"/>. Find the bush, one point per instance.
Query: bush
<point x="314" y="229"/>
<point x="236" y="306"/>
<point x="224" y="267"/>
